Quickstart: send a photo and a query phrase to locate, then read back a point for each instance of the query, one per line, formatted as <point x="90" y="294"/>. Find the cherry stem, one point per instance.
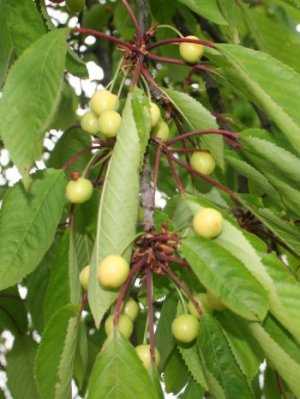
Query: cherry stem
<point x="137" y="70"/>
<point x="204" y="177"/>
<point x="83" y="302"/>
<point x="188" y="80"/>
<point x="159" y="43"/>
<point x="150" y="79"/>
<point x="149" y="290"/>
<point x="180" y="62"/>
<point x="133" y="271"/>
<point x="182" y="133"/>
<point x="77" y="155"/>
<point x="180" y="149"/>
<point x="172" y="259"/>
<point x="155" y="173"/>
<point x="134" y="20"/>
<point x="103" y="35"/>
<point x="174" y="173"/>
<point x="181" y="285"/>
<point x="226" y="133"/>
<point x="71" y="216"/>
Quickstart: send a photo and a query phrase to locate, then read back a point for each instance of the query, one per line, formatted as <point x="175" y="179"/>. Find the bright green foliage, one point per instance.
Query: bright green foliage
<point x="238" y="104"/>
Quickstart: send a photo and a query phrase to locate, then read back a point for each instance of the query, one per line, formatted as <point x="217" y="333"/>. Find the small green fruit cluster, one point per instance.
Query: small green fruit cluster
<point x="79" y="190"/>
<point x="208" y="223"/>
<point x="160" y="128"/>
<point x="103" y="117"/>
<point x="191" y="52"/>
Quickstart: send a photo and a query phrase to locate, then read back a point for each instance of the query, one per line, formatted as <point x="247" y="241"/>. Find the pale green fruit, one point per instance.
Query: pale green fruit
<point x="203" y="162"/>
<point x="113" y="271"/>
<point x="215" y="302"/>
<point x="208" y="223"/>
<point x="161" y="130"/>
<point x="79" y="191"/>
<point x="89" y="122"/>
<point x="204" y="304"/>
<point x="185" y="328"/>
<point x="131" y="309"/>
<point x="155" y="114"/>
<point x="84" y="277"/>
<point x="191" y="52"/>
<point x="125" y="325"/>
<point x="109" y="123"/>
<point x="143" y="352"/>
<point x="103" y="100"/>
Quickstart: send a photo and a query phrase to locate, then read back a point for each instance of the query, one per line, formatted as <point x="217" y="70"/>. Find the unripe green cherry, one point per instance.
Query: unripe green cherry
<point x="143" y="352"/>
<point x="89" y="122"/>
<point x="191" y="52"/>
<point x="155" y="114"/>
<point x="103" y="100"/>
<point x="204" y="304"/>
<point x="79" y="191"/>
<point x="109" y="123"/>
<point x="215" y="302"/>
<point x="113" y="271"/>
<point x="131" y="309"/>
<point x="75" y="5"/>
<point x="208" y="223"/>
<point x="203" y="162"/>
<point x="125" y="325"/>
<point x="161" y="130"/>
<point x="84" y="277"/>
<point x="185" y="328"/>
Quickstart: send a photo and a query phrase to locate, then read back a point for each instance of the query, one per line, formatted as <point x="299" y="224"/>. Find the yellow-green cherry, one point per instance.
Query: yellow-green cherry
<point x="185" y="328"/>
<point x="125" y="325"/>
<point x="113" y="271"/>
<point x="203" y="162"/>
<point x="191" y="52"/>
<point x="103" y="100"/>
<point x="79" y="189"/>
<point x="109" y="123"/>
<point x="89" y="122"/>
<point x="131" y="309"/>
<point x="161" y="130"/>
<point x="143" y="352"/>
<point x="208" y="223"/>
<point x="84" y="277"/>
<point x="154" y="114"/>
<point x="215" y="302"/>
<point x="204" y="305"/>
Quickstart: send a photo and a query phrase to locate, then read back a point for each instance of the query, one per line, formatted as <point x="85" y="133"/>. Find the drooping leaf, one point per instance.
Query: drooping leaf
<point x="30" y="96"/>
<point x="278" y="165"/>
<point x="287" y="367"/>
<point x="224" y="376"/>
<point x="56" y="353"/>
<point x="198" y="118"/>
<point x="28" y="223"/>
<point x="20" y="368"/>
<point x="208" y="9"/>
<point x="269" y="83"/>
<point x="225" y="275"/>
<point x="13" y="315"/>
<point x="118" y="206"/>
<point x="112" y="377"/>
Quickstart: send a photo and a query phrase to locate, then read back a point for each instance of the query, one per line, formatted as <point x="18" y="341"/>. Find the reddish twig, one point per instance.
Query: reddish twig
<point x="77" y="155"/>
<point x="227" y="133"/>
<point x="134" y="20"/>
<point x="149" y="291"/>
<point x="137" y="70"/>
<point x="159" y="43"/>
<point x="174" y="173"/>
<point x="83" y="302"/>
<point x="103" y="35"/>
<point x="172" y="259"/>
<point x="150" y="78"/>
<point x="181" y="285"/>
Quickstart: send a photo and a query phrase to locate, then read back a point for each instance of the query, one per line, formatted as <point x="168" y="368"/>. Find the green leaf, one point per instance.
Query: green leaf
<point x="278" y="165"/>
<point x="23" y="23"/>
<point x="28" y="223"/>
<point x="243" y="346"/>
<point x="224" y="376"/>
<point x="30" y="96"/>
<point x="198" y="118"/>
<point x="225" y="275"/>
<point x="118" y="206"/>
<point x="269" y="83"/>
<point x="65" y="115"/>
<point x="287" y="367"/>
<point x="6" y="44"/>
<point x="118" y="373"/>
<point x="56" y="353"/>
<point x="20" y="368"/>
<point x="176" y="375"/>
<point x="208" y="9"/>
<point x="63" y="287"/>
<point x="192" y="391"/>
<point x="13" y="314"/>
<point x="81" y="356"/>
<point x="271" y="390"/>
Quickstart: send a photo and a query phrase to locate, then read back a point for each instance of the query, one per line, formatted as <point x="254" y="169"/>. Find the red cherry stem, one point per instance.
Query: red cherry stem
<point x="204" y="177"/>
<point x="181" y="285"/>
<point x="174" y="173"/>
<point x="83" y="302"/>
<point x="150" y="79"/>
<point x="77" y="155"/>
<point x="188" y="80"/>
<point x="134" y="20"/>
<point x="180" y="62"/>
<point x="149" y="290"/>
<point x="180" y="149"/>
<point x="227" y="133"/>
<point x="133" y="271"/>
<point x="103" y="35"/>
<point x="182" y="133"/>
<point x="159" y="43"/>
<point x="137" y="70"/>
<point x="172" y="259"/>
